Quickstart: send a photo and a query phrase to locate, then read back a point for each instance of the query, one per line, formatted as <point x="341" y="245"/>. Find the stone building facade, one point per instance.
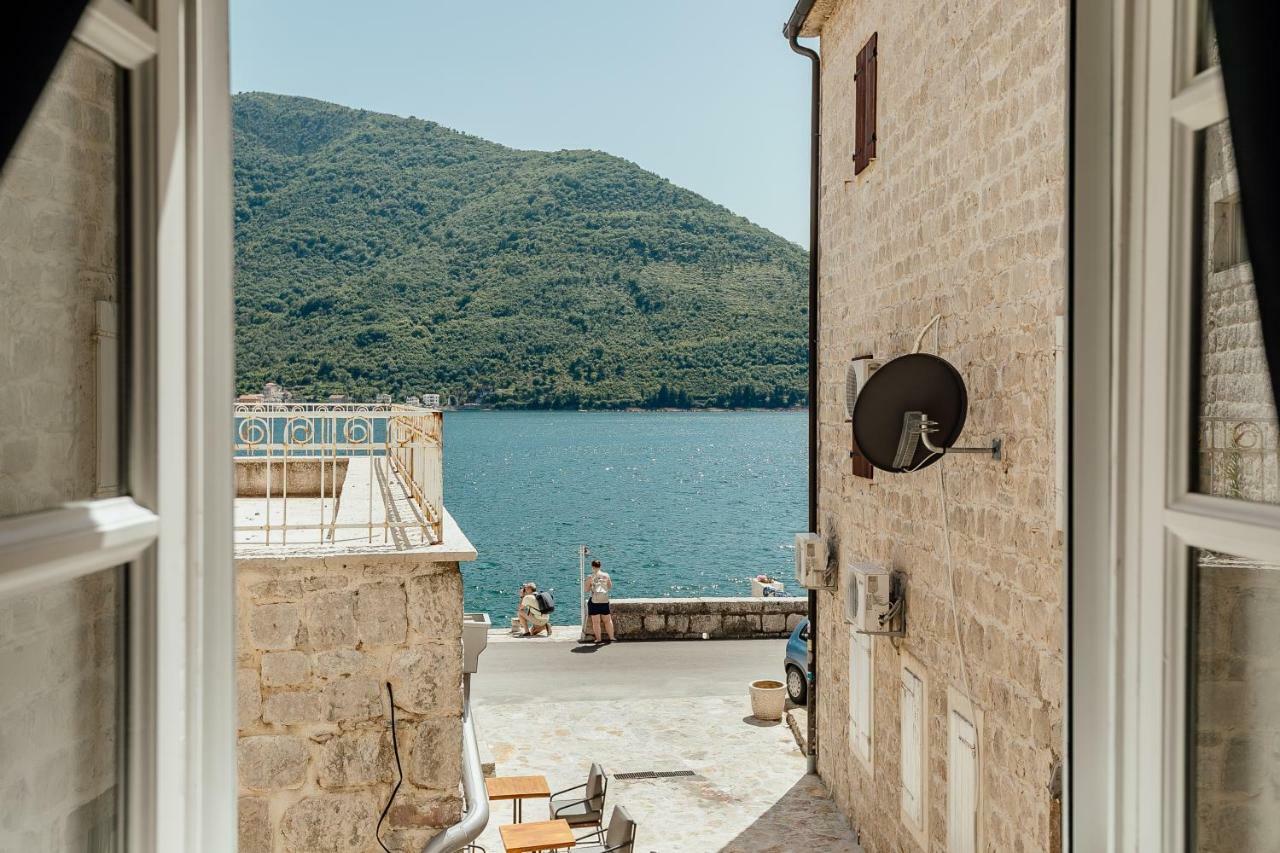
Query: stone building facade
<point x="962" y="214"/>
<point x="320" y="638"/>
<point x="59" y="646"/>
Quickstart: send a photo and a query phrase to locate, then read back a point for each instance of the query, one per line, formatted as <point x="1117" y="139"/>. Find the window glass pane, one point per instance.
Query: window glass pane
<point x="1236" y="456"/>
<point x="1237" y="719"/>
<point x="61" y="666"/>
<point x="60" y="263"/>
<point x="1206" y="38"/>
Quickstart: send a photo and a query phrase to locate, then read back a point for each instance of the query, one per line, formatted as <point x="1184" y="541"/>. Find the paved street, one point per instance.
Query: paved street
<point x="553" y="707"/>
<point x="537" y="669"/>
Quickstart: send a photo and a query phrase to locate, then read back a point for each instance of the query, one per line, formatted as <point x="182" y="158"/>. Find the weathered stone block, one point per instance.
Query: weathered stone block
<point x="628" y="624"/>
<point x="436" y="761"/>
<point x="340" y="662"/>
<point x="427" y="679"/>
<point x="740" y="625"/>
<point x="655" y="624"/>
<point x="419" y="809"/>
<point x="275" y="591"/>
<point x="380" y="613"/>
<point x="705" y="623"/>
<point x="773" y="623"/>
<point x="274" y="626"/>
<point x="316" y="583"/>
<point x="794" y="619"/>
<point x="255" y="826"/>
<point x="355" y="759"/>
<point x="268" y="762"/>
<point x="285" y="669"/>
<point x="331" y="619"/>
<point x="435" y="604"/>
<point x="292" y="707"/>
<point x="677" y="624"/>
<point x="330" y="823"/>
<point x="248" y="698"/>
<point x="353" y="699"/>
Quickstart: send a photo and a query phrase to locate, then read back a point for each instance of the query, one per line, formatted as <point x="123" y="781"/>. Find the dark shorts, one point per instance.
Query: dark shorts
<point x="594" y="609"/>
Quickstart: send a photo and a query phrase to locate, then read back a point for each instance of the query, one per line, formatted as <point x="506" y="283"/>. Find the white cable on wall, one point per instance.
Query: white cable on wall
<point x="951" y="575"/>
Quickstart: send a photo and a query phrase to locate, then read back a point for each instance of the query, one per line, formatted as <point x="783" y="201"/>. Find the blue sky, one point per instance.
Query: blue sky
<point x="703" y="92"/>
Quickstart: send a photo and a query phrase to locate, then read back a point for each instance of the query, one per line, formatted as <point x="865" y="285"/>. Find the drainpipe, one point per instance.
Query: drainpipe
<point x="792" y="33"/>
<point x="476" y="817"/>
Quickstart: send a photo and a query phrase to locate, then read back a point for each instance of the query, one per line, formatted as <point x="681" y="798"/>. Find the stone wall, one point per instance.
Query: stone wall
<point x="319" y="638"/>
<point x="59" y="646"/>
<point x="961" y="215"/>
<point x="718" y="618"/>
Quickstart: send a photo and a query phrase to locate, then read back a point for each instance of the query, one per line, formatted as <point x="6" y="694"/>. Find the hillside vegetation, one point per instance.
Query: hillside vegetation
<point x="384" y="254"/>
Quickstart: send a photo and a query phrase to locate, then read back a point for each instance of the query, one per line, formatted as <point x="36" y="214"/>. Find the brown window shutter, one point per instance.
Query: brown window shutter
<point x="865" y="106"/>
<point x="869" y="141"/>
<point x="862" y="467"/>
<point x="860" y="111"/>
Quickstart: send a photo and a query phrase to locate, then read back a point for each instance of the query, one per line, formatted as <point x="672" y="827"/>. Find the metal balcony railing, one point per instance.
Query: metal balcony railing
<point x="323" y="471"/>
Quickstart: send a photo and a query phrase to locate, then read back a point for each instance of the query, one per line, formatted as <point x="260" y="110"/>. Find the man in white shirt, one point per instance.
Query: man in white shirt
<point x="532" y="620"/>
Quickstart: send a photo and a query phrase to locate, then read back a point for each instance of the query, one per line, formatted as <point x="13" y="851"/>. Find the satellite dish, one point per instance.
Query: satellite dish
<point x="910" y="412"/>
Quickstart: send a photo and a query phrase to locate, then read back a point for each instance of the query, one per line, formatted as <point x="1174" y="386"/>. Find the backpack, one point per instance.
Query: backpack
<point x="546" y="602"/>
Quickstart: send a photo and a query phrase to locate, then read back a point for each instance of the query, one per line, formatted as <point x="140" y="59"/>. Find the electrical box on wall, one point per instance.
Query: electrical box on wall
<point x="811" y="562"/>
<point x="874" y="600"/>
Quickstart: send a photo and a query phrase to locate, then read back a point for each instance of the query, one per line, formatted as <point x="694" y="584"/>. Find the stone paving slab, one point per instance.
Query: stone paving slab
<point x="749" y="794"/>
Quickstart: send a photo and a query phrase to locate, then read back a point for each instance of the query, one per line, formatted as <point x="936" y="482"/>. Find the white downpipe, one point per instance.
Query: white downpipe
<point x="476" y="817"/>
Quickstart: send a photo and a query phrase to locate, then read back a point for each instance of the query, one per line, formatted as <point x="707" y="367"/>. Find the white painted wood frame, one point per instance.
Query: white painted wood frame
<point x="1138" y="103"/>
<point x="173" y="528"/>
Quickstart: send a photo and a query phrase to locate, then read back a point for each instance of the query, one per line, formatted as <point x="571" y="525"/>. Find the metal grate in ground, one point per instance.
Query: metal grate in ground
<point x="655" y="774"/>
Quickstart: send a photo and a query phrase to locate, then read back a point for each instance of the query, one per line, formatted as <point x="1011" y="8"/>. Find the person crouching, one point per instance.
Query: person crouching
<point x="532" y="620"/>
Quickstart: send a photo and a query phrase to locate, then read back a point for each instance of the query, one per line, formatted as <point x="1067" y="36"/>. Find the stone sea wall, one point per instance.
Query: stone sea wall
<point x="319" y="639"/>
<point x="718" y="618"/>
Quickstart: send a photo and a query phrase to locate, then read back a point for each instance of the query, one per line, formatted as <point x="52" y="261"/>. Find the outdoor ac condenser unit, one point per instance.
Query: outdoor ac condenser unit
<point x="811" y="562"/>
<point x="868" y="600"/>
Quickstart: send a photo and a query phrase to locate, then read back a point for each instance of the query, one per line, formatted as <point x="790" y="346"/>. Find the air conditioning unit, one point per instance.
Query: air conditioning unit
<point x="869" y="603"/>
<point x="859" y="371"/>
<point x="811" y="562"/>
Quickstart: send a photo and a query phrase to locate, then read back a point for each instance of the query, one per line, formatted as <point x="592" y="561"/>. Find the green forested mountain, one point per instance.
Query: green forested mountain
<point x="384" y="254"/>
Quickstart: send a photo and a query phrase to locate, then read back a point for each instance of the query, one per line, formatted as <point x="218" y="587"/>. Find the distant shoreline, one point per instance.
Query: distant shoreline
<point x="631" y="411"/>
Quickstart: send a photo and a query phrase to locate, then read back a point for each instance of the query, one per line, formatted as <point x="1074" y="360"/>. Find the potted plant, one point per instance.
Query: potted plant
<point x="768" y="699"/>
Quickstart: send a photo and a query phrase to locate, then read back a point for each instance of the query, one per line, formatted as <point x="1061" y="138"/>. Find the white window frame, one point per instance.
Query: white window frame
<point x="862" y="654"/>
<point x="910" y="668"/>
<point x="1138" y="103"/>
<point x="173" y="529"/>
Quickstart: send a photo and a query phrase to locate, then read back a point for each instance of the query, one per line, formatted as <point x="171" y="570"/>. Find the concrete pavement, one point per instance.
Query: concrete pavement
<point x="552" y="707"/>
<point x="537" y="669"/>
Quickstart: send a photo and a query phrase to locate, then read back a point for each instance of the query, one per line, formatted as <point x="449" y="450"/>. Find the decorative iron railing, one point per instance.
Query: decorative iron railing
<point x="1240" y="458"/>
<point x="376" y="468"/>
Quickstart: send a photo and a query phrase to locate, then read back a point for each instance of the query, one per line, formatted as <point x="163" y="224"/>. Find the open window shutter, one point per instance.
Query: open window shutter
<point x="860" y="695"/>
<point x="869" y="125"/>
<point x="962" y="787"/>
<point x="912" y="742"/>
<point x="865" y="106"/>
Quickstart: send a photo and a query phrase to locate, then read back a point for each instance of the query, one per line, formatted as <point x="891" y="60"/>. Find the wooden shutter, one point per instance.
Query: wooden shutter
<point x="865" y="106"/>
<point x="860" y="694"/>
<point x="912" y="711"/>
<point x="962" y="786"/>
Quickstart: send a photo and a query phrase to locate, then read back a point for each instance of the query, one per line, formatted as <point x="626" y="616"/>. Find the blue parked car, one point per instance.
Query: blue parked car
<point x="797" y="663"/>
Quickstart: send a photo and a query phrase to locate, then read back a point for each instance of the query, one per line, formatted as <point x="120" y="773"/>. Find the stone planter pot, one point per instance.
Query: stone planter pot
<point x="768" y="699"/>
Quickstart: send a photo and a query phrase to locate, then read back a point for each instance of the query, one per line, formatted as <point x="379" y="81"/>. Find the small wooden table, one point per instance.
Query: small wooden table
<point x="542" y="835"/>
<point x="517" y="789"/>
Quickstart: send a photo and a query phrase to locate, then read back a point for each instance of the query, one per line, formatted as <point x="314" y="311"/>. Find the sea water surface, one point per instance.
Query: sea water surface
<point x="674" y="504"/>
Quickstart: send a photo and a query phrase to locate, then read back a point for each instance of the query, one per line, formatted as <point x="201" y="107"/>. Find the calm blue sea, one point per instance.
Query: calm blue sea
<point x="675" y="504"/>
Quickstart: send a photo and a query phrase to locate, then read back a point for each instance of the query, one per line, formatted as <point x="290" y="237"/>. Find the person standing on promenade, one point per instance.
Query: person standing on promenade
<point x="598" y="583"/>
